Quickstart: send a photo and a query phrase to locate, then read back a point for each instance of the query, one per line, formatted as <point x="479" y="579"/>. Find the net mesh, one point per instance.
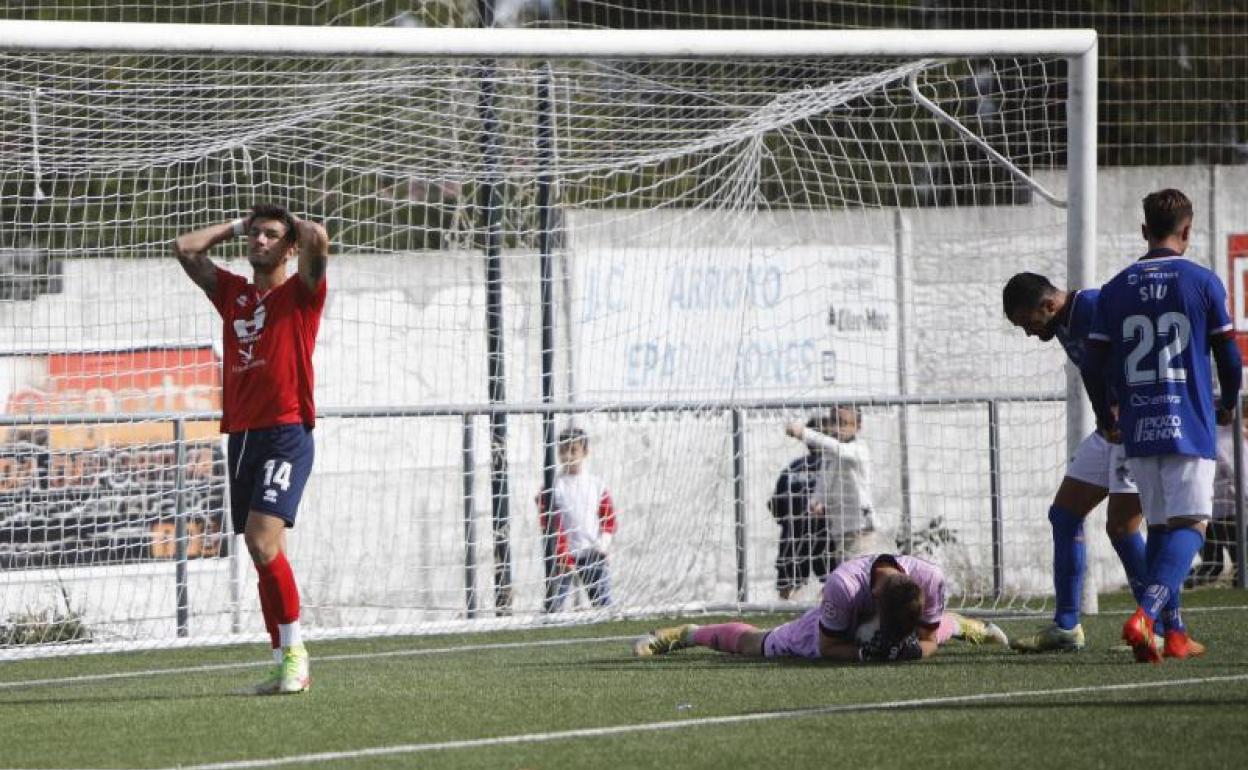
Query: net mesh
<point x="727" y="236"/>
<point x="1178" y="98"/>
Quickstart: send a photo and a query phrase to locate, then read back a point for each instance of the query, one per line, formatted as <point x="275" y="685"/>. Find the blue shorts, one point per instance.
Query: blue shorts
<point x="268" y="470"/>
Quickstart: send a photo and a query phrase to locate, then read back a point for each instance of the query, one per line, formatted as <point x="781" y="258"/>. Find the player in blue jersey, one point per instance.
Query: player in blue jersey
<point x="1097" y="470"/>
<point x="1155" y="325"/>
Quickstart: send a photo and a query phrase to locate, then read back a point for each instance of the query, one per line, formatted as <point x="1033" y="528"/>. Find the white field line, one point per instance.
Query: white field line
<point x="318" y="659"/>
<point x="140" y="673"/>
<point x="681" y="724"/>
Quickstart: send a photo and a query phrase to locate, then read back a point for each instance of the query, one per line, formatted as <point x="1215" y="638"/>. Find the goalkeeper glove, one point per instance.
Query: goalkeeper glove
<point x="879" y="650"/>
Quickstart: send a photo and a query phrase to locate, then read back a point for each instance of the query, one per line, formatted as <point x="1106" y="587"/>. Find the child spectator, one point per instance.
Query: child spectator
<point x="804" y="546"/>
<point x="583" y="520"/>
<point x="842" y="493"/>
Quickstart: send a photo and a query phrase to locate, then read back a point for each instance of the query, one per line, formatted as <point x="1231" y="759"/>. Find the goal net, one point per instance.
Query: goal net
<point x="677" y="255"/>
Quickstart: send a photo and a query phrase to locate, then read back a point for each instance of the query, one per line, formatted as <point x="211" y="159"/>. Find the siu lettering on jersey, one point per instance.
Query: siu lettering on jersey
<point x="268" y="342"/>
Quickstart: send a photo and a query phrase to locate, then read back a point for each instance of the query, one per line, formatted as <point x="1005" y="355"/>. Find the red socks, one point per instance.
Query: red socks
<point x="270" y="619"/>
<point x="279" y="595"/>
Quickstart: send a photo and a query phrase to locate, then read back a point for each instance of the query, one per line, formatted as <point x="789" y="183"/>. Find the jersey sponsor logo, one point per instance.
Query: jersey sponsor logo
<point x="249" y="364"/>
<point x="247" y="359"/>
<point x="1161" y="427"/>
<point x="249" y="330"/>
<point x="1138" y="399"/>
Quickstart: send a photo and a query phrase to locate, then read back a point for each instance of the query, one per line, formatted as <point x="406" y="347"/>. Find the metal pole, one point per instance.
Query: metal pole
<point x="738" y="504"/>
<point x="181" y="590"/>
<point x="565" y="246"/>
<point x="545" y="178"/>
<point x="491" y="201"/>
<point x="238" y="569"/>
<point x="1216" y="255"/>
<point x="708" y="406"/>
<point x="1081" y="244"/>
<point x="1241" y="537"/>
<point x="468" y="455"/>
<point x="994" y="495"/>
<point x="902" y="243"/>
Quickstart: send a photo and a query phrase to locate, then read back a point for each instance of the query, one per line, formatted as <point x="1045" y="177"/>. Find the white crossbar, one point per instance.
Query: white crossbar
<point x="545" y="43"/>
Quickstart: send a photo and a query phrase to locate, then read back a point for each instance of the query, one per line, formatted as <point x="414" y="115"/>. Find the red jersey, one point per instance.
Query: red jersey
<point x="268" y="342"/>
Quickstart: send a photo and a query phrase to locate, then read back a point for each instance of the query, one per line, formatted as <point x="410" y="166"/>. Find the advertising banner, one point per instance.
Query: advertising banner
<point x="107" y="493"/>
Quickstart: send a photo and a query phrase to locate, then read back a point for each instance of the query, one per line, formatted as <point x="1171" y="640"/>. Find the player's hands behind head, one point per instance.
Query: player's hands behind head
<point x="311" y="235"/>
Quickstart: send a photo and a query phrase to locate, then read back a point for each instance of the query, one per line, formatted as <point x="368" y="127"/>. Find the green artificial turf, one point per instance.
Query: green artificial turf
<point x="965" y="707"/>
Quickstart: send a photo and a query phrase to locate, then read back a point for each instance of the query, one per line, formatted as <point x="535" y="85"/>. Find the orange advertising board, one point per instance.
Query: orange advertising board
<point x="121" y="383"/>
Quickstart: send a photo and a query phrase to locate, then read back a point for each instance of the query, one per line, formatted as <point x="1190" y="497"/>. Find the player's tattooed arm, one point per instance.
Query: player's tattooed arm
<point x="313" y="252"/>
<point x="191" y="249"/>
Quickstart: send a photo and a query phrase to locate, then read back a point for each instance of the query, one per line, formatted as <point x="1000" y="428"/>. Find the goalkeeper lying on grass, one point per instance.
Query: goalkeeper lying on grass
<point x="874" y="609"/>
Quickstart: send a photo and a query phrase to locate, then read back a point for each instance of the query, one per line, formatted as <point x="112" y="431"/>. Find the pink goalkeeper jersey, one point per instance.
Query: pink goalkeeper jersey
<point x="847" y="599"/>
<point x="847" y="603"/>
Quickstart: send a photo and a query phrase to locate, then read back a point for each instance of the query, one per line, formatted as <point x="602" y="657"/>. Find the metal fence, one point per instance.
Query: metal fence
<point x="737" y="412"/>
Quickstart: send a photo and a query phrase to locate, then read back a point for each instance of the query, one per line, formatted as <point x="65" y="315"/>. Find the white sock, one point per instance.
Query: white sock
<point x="290" y="635"/>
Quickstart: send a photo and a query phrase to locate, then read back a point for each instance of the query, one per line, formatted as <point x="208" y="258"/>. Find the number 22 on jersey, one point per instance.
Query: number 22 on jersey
<point x="1145" y="365"/>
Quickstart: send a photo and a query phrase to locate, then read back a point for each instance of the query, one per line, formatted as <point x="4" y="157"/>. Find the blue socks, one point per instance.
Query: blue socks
<point x="1156" y="568"/>
<point x="1156" y="540"/>
<point x="1132" y="552"/>
<point x="1070" y="556"/>
<point x="1170" y="617"/>
<point x="1168" y="569"/>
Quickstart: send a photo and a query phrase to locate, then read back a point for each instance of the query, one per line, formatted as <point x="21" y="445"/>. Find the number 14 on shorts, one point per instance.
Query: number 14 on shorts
<point x="276" y="474"/>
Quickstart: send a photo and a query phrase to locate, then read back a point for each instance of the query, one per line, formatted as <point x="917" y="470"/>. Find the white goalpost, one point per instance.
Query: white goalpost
<point x="676" y="241"/>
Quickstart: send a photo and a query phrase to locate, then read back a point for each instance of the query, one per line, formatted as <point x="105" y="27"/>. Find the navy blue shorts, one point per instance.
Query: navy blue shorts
<point x="268" y="470"/>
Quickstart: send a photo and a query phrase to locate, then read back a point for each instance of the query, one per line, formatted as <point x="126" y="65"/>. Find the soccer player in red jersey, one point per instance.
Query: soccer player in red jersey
<point x="270" y="327"/>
